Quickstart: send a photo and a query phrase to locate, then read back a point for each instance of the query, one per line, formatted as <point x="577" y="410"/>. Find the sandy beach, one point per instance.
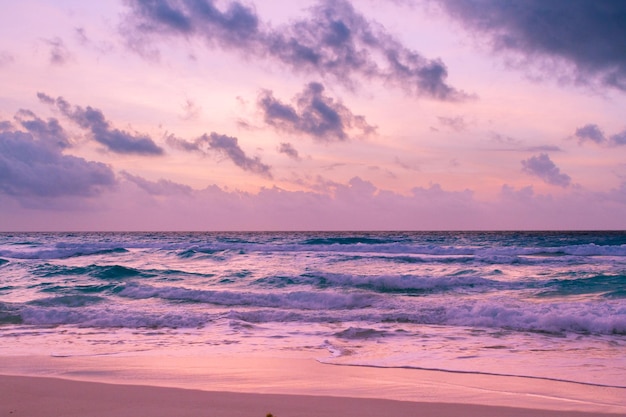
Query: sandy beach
<point x="254" y="386"/>
<point x="50" y="397"/>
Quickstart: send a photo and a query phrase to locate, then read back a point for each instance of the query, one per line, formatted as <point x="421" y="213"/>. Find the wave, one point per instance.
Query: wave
<point x="554" y="319"/>
<point x="613" y="286"/>
<point x="9" y="314"/>
<point x="306" y="300"/>
<point x="401" y="283"/>
<point x="347" y="240"/>
<point x="408" y="248"/>
<point x="607" y="318"/>
<point x="67" y="301"/>
<point x="359" y="333"/>
<point x="61" y="252"/>
<point x="96" y="271"/>
<point x="111" y="317"/>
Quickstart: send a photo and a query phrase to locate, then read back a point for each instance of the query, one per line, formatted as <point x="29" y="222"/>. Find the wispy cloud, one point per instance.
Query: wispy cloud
<point x="161" y="187"/>
<point x="5" y="58"/>
<point x="93" y="120"/>
<point x="334" y="41"/>
<point x="59" y="54"/>
<point x="224" y="145"/>
<point x="314" y="114"/>
<point x="458" y="123"/>
<point x="289" y="150"/>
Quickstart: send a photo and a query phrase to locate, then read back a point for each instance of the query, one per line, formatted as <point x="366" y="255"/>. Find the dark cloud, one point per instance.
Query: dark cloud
<point x="314" y="114"/>
<point x="592" y="133"/>
<point x="289" y="150"/>
<point x="50" y="130"/>
<point x="457" y="124"/>
<point x="32" y="166"/>
<point x="59" y="54"/>
<point x="589" y="35"/>
<point x="542" y="166"/>
<point x="158" y="188"/>
<point x="335" y="41"/>
<point x="92" y="119"/>
<point x="225" y="145"/>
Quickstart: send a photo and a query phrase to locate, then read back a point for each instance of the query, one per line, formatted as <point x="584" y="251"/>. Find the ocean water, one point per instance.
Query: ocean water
<point x="531" y="304"/>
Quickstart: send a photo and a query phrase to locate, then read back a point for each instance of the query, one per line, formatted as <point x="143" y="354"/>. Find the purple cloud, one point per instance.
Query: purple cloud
<point x="35" y="167"/>
<point x="589" y="35"/>
<point x="93" y="120"/>
<point x="5" y="58"/>
<point x="314" y="114"/>
<point x="59" y="54"/>
<point x="159" y="188"/>
<point x="335" y="41"/>
<point x="593" y="133"/>
<point x="225" y="145"/>
<point x="590" y="132"/>
<point x="289" y="150"/>
<point x="541" y="166"/>
<point x="457" y="124"/>
<point x="49" y="130"/>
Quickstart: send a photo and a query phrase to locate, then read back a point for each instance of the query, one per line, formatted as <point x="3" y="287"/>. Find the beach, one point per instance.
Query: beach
<point x="54" y="397"/>
<point x="311" y="323"/>
<point x="237" y="386"/>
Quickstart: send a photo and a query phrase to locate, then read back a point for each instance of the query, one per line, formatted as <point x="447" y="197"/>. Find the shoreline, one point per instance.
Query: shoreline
<point x="301" y="386"/>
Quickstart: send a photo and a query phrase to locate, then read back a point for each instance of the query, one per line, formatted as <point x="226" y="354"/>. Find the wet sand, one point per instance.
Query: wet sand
<point x="254" y="386"/>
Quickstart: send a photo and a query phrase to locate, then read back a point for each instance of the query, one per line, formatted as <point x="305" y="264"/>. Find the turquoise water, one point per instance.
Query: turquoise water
<point x="534" y="304"/>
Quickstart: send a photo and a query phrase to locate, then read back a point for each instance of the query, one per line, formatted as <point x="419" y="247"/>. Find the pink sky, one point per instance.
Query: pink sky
<point x="306" y="115"/>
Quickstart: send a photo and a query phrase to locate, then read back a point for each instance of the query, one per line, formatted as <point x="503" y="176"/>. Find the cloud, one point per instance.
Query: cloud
<point x="158" y="188"/>
<point x="225" y="145"/>
<point x="289" y="150"/>
<point x="50" y="130"/>
<point x="5" y="58"/>
<point x="588" y="35"/>
<point x="618" y="138"/>
<point x="59" y="54"/>
<point x="314" y="114"/>
<point x="114" y="140"/>
<point x="103" y="47"/>
<point x="335" y="41"/>
<point x="592" y="133"/>
<point x="457" y="124"/>
<point x="544" y="148"/>
<point x="191" y="111"/>
<point x="33" y="166"/>
<point x="542" y="166"/>
<point x="355" y="205"/>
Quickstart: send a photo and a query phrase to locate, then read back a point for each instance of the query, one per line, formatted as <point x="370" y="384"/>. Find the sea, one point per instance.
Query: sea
<point x="546" y="305"/>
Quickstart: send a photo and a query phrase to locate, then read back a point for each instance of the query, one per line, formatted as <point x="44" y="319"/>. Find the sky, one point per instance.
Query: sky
<point x="202" y="115"/>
